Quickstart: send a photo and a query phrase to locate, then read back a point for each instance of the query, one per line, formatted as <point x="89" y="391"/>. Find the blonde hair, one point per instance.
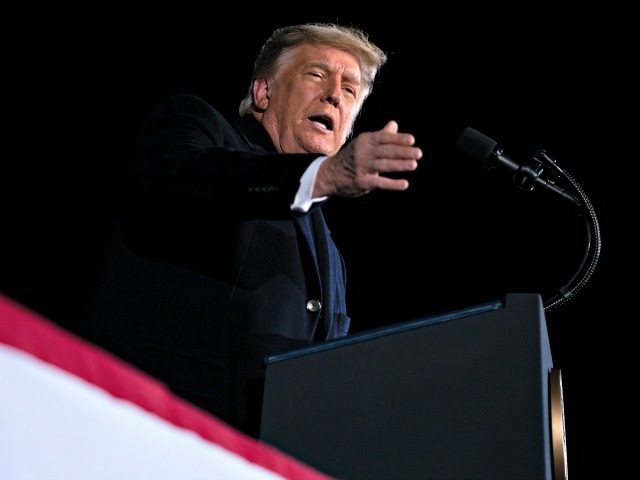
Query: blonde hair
<point x="349" y="39"/>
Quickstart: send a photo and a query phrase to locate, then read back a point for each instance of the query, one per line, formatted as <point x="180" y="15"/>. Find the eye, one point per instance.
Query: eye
<point x="315" y="74"/>
<point x="350" y="90"/>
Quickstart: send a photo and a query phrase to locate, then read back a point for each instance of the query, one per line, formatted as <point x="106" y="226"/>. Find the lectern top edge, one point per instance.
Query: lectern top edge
<point x="386" y="330"/>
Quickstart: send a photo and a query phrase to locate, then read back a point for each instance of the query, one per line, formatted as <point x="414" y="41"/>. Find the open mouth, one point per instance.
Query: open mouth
<point x="326" y="122"/>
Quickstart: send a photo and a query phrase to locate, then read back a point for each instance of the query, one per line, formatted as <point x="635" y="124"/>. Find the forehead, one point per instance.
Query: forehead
<point x="332" y="59"/>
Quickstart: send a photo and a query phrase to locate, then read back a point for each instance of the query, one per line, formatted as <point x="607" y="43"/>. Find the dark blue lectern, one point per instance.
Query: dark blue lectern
<point x="464" y="395"/>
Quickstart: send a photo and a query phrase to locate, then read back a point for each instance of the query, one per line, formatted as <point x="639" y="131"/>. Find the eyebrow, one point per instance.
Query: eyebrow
<point x="349" y="77"/>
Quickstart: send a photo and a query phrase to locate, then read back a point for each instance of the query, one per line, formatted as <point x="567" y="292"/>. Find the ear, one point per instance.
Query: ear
<point x="261" y="93"/>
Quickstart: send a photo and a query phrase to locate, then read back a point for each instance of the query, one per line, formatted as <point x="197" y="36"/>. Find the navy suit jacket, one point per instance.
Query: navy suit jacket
<point x="211" y="270"/>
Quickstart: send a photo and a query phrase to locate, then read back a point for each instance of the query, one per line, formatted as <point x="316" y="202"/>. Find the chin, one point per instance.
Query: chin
<point x="322" y="145"/>
<point x="322" y="149"/>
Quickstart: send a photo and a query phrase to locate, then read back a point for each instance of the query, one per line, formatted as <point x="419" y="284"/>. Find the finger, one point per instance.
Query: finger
<point x="385" y="183"/>
<point x="393" y="165"/>
<point x="384" y="136"/>
<point x="391" y="127"/>
<point x="398" y="152"/>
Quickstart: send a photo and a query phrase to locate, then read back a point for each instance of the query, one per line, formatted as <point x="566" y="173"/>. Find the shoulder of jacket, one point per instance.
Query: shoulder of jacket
<point x="187" y="104"/>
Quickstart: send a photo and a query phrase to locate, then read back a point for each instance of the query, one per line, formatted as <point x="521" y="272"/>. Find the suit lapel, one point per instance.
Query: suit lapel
<point x="312" y="255"/>
<point x="321" y="232"/>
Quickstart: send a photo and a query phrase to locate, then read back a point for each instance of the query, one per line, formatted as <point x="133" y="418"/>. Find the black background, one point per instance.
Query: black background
<point x="78" y="83"/>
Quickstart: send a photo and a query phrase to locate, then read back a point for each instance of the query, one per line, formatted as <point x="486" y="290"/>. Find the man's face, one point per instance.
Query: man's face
<point x="311" y="102"/>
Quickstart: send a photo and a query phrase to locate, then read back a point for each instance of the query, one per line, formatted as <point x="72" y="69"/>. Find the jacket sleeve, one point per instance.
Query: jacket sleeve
<point x="189" y="154"/>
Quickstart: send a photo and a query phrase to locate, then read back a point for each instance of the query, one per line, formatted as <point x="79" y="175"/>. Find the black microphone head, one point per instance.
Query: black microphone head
<point x="477" y="145"/>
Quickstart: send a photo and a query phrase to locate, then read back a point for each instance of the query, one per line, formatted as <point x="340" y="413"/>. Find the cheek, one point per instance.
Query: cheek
<point x="298" y="97"/>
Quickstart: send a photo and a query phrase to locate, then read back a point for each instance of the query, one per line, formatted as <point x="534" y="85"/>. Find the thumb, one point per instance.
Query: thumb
<point x="391" y="127"/>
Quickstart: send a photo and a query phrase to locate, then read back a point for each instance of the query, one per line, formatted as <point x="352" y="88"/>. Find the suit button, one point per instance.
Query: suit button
<point x="314" y="306"/>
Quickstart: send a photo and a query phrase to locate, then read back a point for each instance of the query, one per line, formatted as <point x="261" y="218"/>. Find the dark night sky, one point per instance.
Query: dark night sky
<point x="75" y="92"/>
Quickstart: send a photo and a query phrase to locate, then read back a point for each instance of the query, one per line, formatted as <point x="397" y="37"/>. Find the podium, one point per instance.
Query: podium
<point x="462" y="395"/>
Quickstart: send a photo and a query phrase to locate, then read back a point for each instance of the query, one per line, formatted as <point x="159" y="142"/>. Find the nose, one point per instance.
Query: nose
<point x="333" y="92"/>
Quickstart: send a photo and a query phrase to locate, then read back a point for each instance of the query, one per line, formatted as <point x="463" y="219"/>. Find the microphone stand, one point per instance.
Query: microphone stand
<point x="528" y="176"/>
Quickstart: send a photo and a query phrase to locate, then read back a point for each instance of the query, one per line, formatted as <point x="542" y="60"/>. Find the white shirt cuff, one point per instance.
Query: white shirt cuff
<point x="303" y="199"/>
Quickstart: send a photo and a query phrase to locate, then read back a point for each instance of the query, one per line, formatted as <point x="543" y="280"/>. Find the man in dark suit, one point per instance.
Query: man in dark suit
<point x="224" y="255"/>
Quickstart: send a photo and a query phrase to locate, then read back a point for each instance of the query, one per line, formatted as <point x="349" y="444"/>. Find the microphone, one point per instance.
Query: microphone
<point x="526" y="175"/>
